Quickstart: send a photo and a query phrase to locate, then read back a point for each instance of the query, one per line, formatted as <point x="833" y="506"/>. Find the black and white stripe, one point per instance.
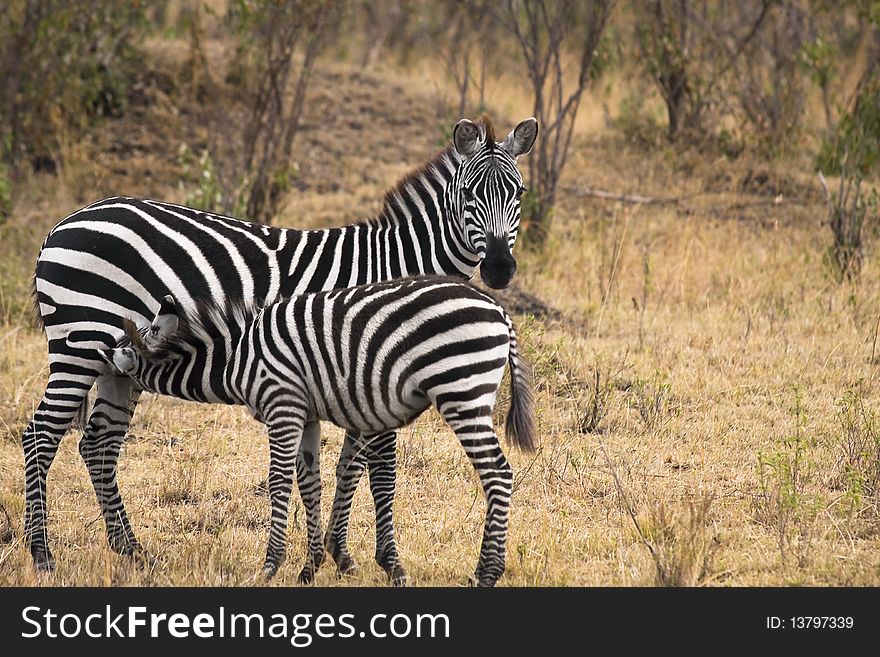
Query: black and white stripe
<point x="370" y="359"/>
<point x="116" y="259"/>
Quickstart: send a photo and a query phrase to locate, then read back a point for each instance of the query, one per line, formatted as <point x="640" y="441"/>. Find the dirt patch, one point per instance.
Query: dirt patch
<point x="517" y="301"/>
<point x="764" y="182"/>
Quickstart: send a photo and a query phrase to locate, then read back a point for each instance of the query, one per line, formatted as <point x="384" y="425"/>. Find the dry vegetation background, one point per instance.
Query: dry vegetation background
<point x="706" y="373"/>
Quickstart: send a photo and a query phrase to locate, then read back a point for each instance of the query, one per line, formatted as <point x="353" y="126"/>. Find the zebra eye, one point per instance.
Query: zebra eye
<point x="468" y="194"/>
<point x="522" y="190"/>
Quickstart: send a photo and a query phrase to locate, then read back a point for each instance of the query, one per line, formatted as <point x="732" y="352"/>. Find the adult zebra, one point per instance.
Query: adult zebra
<point x="117" y="258"/>
<point x="370" y="359"/>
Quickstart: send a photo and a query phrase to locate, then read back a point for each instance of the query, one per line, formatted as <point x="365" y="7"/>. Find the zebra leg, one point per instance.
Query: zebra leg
<point x="352" y="462"/>
<point x="64" y="394"/>
<point x="285" y="425"/>
<point x="382" y="461"/>
<point x="477" y="436"/>
<point x="308" y="477"/>
<point x="99" y="448"/>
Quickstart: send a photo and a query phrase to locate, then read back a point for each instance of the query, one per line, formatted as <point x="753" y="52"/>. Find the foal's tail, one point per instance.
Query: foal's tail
<point x="520" y="424"/>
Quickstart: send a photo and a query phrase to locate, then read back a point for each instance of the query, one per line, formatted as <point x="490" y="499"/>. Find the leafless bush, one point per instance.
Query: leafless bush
<point x="468" y="51"/>
<point x="769" y="87"/>
<point x="683" y="544"/>
<point x="679" y="542"/>
<point x="667" y="46"/>
<point x="548" y="32"/>
<point x="593" y="410"/>
<point x="736" y="66"/>
<point x="856" y="145"/>
<point x="278" y="43"/>
<point x="383" y="24"/>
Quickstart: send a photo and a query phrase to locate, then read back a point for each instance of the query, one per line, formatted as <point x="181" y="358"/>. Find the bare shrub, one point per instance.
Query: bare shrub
<point x="471" y="42"/>
<point x="666" y="44"/>
<point x="679" y="542"/>
<point x="690" y="49"/>
<point x="277" y="45"/>
<point x="768" y="84"/>
<point x="855" y="153"/>
<point x="651" y="398"/>
<point x="730" y="72"/>
<point x="594" y="408"/>
<point x="548" y="32"/>
<point x="380" y="23"/>
<point x="683" y="543"/>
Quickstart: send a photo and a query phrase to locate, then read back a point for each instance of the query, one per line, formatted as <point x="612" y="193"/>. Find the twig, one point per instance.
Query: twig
<point x="824" y="184"/>
<point x="624" y="198"/>
<point x="628" y="506"/>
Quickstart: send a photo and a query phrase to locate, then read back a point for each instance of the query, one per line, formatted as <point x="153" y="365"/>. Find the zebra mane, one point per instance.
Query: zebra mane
<point x="441" y="158"/>
<point x="486" y="123"/>
<point x="205" y="323"/>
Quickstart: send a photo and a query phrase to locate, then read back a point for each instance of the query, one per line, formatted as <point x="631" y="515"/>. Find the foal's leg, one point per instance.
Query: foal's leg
<point x="285" y="422"/>
<point x="99" y="448"/>
<point x="382" y="460"/>
<point x="308" y="477"/>
<point x="351" y="465"/>
<point x="380" y="452"/>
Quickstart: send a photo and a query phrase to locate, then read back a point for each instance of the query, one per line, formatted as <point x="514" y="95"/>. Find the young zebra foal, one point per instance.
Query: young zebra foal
<point x="369" y="359"/>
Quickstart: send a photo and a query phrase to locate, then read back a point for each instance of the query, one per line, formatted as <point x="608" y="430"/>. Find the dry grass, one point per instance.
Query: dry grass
<point x="686" y="331"/>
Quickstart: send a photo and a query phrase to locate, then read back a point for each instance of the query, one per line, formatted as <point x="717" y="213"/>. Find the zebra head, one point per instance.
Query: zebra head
<point x="485" y="192"/>
<point x="128" y="356"/>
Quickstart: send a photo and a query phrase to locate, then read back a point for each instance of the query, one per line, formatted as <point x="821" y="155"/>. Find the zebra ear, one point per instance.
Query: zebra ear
<point x="121" y="359"/>
<point x="466" y="137"/>
<point x="522" y="138"/>
<point x="107" y="356"/>
<point x="164" y="324"/>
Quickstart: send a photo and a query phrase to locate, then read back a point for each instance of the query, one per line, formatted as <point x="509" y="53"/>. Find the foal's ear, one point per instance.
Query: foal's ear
<point x="122" y="360"/>
<point x="522" y="138"/>
<point x="466" y="137"/>
<point x="164" y="324"/>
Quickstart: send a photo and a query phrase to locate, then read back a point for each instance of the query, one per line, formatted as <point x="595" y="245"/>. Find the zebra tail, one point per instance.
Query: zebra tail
<point x="520" y="425"/>
<point x="39" y="322"/>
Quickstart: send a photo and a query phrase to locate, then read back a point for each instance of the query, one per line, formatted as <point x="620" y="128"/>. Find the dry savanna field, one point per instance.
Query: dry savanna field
<point x="706" y="391"/>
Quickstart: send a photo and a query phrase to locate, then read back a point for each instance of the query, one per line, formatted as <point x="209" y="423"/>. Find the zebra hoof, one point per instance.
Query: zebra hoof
<point x="126" y="546"/>
<point x="398" y="576"/>
<point x="44" y="563"/>
<point x="306" y="575"/>
<point x="346" y="566"/>
<point x="144" y="559"/>
<point x="269" y="570"/>
<point x="481" y="581"/>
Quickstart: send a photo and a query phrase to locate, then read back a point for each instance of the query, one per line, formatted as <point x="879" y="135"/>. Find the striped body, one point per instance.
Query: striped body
<point x="116" y="259"/>
<point x="369" y="359"/>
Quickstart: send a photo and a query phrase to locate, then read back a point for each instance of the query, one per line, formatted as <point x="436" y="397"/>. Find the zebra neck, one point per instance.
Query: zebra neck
<point x="416" y="232"/>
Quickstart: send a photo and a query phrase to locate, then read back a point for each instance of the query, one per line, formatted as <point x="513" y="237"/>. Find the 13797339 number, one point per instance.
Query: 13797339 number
<point x="821" y="622"/>
<point x="810" y="622"/>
